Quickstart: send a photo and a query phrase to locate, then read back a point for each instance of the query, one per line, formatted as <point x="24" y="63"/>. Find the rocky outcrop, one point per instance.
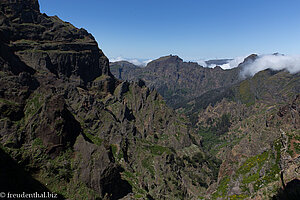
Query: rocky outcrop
<point x="98" y="170"/>
<point x="57" y="126"/>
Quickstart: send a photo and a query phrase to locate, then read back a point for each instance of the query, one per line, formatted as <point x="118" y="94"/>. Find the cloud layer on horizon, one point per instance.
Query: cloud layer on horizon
<point x="231" y="64"/>
<point x="275" y="62"/>
<point x="138" y="62"/>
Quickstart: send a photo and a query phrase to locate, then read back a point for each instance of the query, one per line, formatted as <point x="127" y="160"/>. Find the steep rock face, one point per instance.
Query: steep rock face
<point x="49" y="44"/>
<point x="103" y="174"/>
<point x="57" y="126"/>
<point x="72" y="126"/>
<point x="178" y="81"/>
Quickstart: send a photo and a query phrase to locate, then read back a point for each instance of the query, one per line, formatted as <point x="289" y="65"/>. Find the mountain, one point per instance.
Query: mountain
<point x="70" y="127"/>
<point x="178" y="81"/>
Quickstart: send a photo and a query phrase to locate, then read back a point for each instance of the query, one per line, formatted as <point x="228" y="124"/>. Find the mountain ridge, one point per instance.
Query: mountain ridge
<point x="177" y="80"/>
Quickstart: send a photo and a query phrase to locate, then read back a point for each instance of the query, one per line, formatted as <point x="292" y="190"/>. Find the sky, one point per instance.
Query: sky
<point x="191" y="29"/>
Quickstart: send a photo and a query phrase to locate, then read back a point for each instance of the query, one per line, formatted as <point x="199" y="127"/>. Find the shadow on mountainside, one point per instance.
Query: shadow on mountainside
<point x="290" y="192"/>
<point x="14" y="179"/>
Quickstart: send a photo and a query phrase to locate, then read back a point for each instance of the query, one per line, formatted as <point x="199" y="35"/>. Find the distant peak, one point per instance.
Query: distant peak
<point x="170" y="58"/>
<point x="277" y="54"/>
<point x="217" y="68"/>
<point x="251" y="57"/>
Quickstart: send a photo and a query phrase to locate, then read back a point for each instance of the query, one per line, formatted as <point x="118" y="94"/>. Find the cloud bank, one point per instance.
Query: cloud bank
<point x="275" y="62"/>
<point x="229" y="65"/>
<point x="138" y="62"/>
<point x="233" y="63"/>
<point x="202" y="63"/>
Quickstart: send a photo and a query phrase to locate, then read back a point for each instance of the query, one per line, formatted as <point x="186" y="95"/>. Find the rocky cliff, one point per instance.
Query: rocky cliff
<point x="67" y="124"/>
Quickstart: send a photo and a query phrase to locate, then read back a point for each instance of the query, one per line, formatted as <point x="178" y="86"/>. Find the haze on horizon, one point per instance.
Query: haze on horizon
<point x="190" y="29"/>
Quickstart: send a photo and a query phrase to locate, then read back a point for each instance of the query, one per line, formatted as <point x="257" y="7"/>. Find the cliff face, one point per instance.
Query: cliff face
<point x="49" y="44"/>
<point x="69" y="125"/>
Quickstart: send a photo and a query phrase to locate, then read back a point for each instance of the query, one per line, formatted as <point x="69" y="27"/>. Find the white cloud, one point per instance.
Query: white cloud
<point x="146" y="62"/>
<point x="116" y="59"/>
<point x="231" y="63"/>
<point x="202" y="63"/>
<point x="135" y="61"/>
<point x="274" y="62"/>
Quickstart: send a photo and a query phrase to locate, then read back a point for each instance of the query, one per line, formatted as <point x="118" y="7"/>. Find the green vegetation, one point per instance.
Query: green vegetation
<point x="222" y="188"/>
<point x="222" y="125"/>
<point x="132" y="179"/>
<point x="114" y="150"/>
<point x="22" y="41"/>
<point x="33" y="105"/>
<point x="251" y="168"/>
<point x="37" y="142"/>
<point x="252" y="162"/>
<point x="238" y="197"/>
<point x="294" y="136"/>
<point x="7" y="102"/>
<point x="158" y="150"/>
<point x="245" y="93"/>
<point x="57" y="175"/>
<point x="147" y="164"/>
<point x="273" y="173"/>
<point x="96" y="140"/>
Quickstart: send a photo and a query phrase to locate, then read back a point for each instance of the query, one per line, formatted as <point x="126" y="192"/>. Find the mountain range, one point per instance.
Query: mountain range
<point x="78" y="126"/>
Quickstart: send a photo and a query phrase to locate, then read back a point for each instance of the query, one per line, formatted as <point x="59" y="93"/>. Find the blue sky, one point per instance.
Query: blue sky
<point x="192" y="29"/>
